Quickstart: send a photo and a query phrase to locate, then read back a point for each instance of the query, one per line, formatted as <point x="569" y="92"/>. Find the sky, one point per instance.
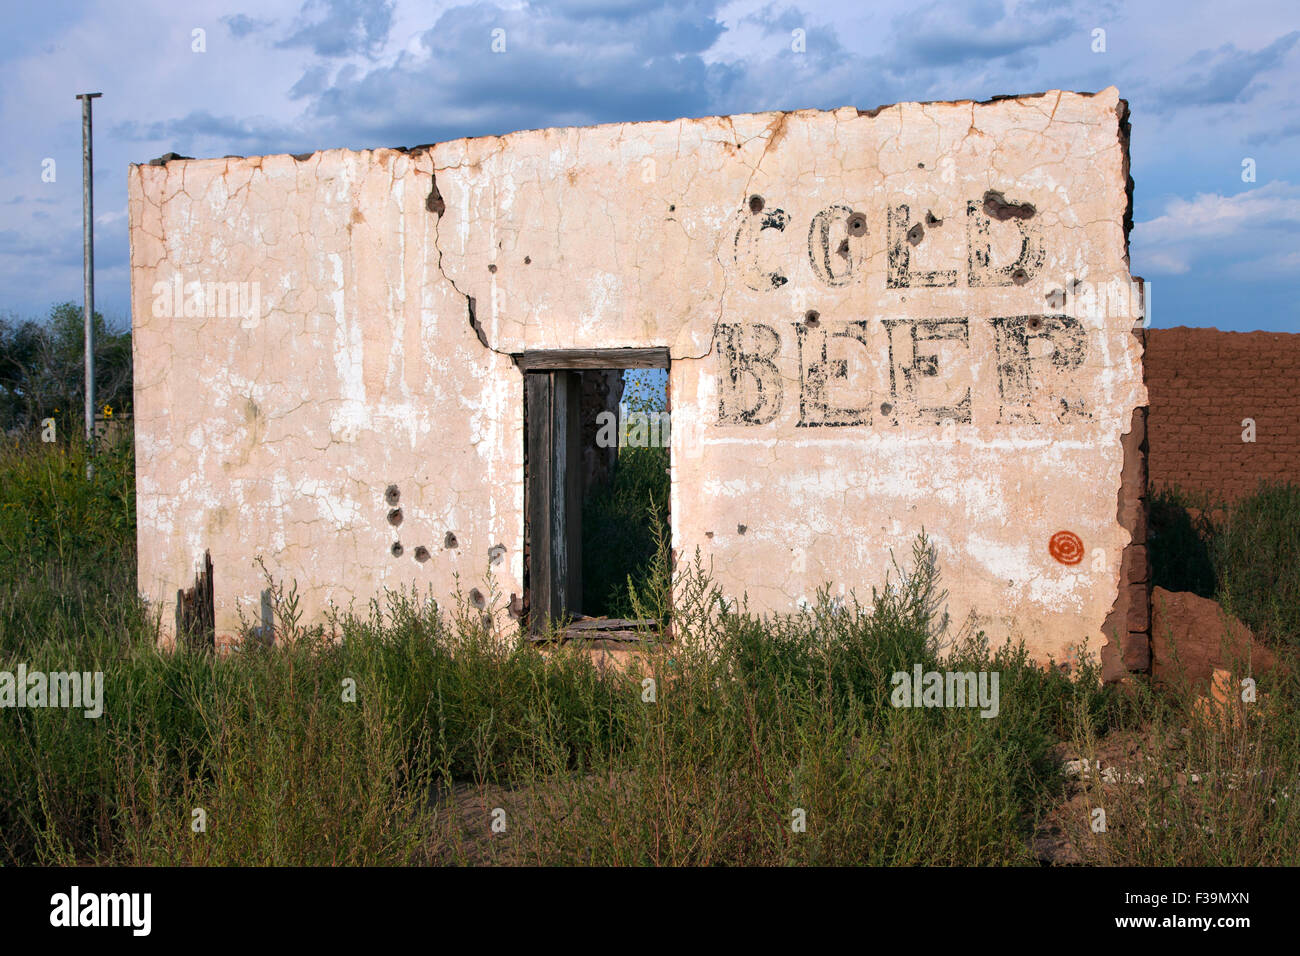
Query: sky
<point x="1214" y="90"/>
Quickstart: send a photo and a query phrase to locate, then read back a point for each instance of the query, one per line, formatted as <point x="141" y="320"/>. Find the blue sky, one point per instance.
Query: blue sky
<point x="1210" y="86"/>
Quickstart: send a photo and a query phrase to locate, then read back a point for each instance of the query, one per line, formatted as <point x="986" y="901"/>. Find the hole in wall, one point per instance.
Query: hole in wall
<point x="422" y="554"/>
<point x="755" y="204"/>
<point x="449" y="541"/>
<point x="395" y="517"/>
<point x="392" y="495"/>
<point x="396" y="549"/>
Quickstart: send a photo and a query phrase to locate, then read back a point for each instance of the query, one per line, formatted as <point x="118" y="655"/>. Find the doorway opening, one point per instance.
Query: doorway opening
<point x="596" y="478"/>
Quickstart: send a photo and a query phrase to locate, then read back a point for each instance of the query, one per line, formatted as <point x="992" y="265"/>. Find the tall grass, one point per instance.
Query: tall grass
<point x="420" y="736"/>
<point x="622" y="522"/>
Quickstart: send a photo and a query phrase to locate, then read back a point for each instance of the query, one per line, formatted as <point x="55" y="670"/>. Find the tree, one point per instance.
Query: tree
<point x="42" y="372"/>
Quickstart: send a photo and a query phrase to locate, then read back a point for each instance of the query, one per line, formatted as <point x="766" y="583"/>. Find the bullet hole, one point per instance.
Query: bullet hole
<point x="916" y="234"/>
<point x="528" y="260"/>
<point x="1035" y="323"/>
<point x="492" y="267"/>
<point x="755" y="204"/>
<point x="709" y="535"/>
<point x="857" y="224"/>
<point x="396" y="549"/>
<point x="1056" y="298"/>
<point x="449" y="541"/>
<point x="395" y="517"/>
<point x="886" y="408"/>
<point x="1019" y="277"/>
<point x="843" y="248"/>
<point x="515" y="607"/>
<point x="811" y="317"/>
<point x="931" y="219"/>
<point x="672" y="208"/>
<point x="422" y="554"/>
<point x="920" y="165"/>
<point x="741" y="529"/>
<point x="496" y="553"/>
<point x="997" y="207"/>
<point x="392" y="495"/>
<point x="477" y="599"/>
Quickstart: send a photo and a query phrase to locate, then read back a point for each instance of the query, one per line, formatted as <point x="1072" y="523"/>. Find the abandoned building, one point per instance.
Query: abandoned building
<point x="379" y="368"/>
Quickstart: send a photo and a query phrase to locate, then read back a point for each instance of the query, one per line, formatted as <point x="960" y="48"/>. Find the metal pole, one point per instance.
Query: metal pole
<point x="88" y="248"/>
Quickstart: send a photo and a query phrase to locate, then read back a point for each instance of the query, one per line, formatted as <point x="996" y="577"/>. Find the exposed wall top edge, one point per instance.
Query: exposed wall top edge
<point x="172" y="157"/>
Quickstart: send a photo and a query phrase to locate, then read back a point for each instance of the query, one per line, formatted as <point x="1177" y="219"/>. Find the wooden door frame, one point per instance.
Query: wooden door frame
<point x="552" y="491"/>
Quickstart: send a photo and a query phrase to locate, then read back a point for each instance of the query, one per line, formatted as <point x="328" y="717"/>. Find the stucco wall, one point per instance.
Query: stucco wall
<point x="947" y="379"/>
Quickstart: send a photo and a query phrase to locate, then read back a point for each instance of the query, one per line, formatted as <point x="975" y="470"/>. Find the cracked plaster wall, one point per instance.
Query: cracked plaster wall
<point x="844" y="371"/>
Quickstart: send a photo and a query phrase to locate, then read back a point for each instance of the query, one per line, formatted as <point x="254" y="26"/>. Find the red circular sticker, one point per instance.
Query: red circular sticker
<point x="1066" y="547"/>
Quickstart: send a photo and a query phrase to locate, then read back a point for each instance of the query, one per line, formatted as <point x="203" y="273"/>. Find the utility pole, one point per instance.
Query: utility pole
<point x="88" y="251"/>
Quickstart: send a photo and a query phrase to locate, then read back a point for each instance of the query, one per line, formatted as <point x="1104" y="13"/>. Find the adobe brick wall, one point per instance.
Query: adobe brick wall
<point x="1202" y="384"/>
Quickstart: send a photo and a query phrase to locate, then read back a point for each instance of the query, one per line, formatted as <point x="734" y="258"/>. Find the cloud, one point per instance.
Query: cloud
<point x="553" y="71"/>
<point x="936" y="34"/>
<point x="1275" y="135"/>
<point x="1225" y="75"/>
<point x="313" y="82"/>
<point x="1212" y="216"/>
<point x="1213" y="231"/>
<point x="334" y="28"/>
<point x="241" y="25"/>
<point x="201" y="133"/>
